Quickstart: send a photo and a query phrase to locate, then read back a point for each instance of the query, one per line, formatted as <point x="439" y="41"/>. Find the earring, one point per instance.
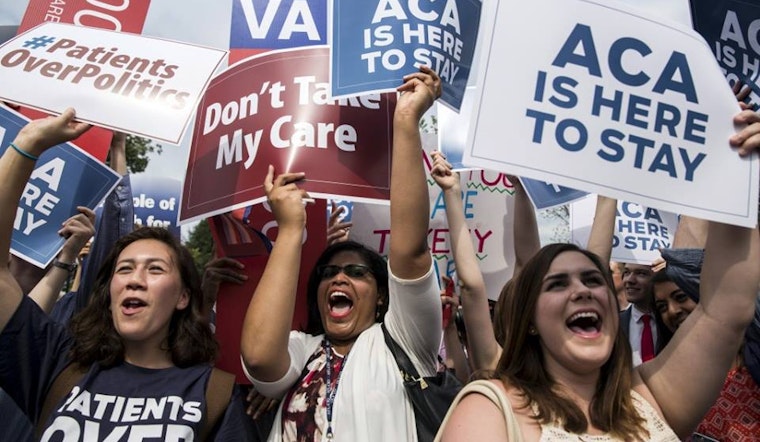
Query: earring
<point x="532" y="331"/>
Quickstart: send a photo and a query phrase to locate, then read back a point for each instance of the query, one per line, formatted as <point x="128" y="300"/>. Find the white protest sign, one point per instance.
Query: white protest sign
<point x="488" y="209"/>
<point x="638" y="111"/>
<point x="145" y="86"/>
<point x="639" y="233"/>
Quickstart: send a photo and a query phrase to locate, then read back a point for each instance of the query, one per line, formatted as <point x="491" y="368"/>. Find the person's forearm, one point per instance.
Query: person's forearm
<point x="526" y="239"/>
<point x="264" y="340"/>
<point x="45" y="293"/>
<point x="15" y="170"/>
<point x="603" y="228"/>
<point x="482" y="343"/>
<point x="468" y="271"/>
<point x="455" y="357"/>
<point x="410" y="206"/>
<point x="730" y="274"/>
<point x="118" y="153"/>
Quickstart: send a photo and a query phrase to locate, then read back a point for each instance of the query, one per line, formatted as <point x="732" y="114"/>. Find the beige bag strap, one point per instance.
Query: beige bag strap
<point x="495" y="395"/>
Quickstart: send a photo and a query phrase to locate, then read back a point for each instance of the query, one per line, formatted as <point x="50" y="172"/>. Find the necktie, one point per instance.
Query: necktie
<point x="647" y="343"/>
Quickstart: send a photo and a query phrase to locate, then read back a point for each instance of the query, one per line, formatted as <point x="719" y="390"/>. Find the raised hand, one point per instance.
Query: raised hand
<point x="337" y="231"/>
<point x="77" y="230"/>
<point x="221" y="270"/>
<point x="418" y="92"/>
<point x="442" y="173"/>
<point x="747" y="140"/>
<point x="40" y="135"/>
<point x="286" y="199"/>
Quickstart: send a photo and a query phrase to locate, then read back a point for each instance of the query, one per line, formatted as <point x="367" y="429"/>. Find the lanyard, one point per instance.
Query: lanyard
<point x="329" y="390"/>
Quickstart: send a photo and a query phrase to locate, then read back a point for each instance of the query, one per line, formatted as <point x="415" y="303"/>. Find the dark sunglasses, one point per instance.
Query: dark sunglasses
<point x="350" y="270"/>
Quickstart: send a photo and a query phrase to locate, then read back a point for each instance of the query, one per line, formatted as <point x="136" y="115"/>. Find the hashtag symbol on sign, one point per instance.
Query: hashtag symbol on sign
<point x="39" y="42"/>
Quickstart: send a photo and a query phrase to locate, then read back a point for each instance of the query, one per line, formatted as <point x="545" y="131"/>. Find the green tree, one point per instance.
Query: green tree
<point x="201" y="244"/>
<point x="138" y="149"/>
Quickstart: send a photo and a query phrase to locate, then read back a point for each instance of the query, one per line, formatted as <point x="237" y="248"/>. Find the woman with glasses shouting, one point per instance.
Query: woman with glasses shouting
<point x="338" y="380"/>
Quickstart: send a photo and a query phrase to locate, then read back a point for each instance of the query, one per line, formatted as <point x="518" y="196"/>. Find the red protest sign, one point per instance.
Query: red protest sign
<point x="114" y="15"/>
<point x="274" y="109"/>
<point x="232" y="300"/>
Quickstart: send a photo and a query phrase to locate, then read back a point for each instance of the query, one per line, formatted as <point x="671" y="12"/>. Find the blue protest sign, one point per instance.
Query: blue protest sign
<point x="544" y="195"/>
<point x="65" y="177"/>
<point x="156" y="201"/>
<point x="375" y="43"/>
<point x="278" y="24"/>
<point x="730" y="27"/>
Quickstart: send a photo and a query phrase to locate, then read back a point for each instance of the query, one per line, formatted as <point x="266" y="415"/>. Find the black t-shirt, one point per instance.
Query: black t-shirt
<point x="124" y="402"/>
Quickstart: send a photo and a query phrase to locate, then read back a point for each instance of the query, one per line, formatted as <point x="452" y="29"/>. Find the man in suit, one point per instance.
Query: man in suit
<point x="637" y="321"/>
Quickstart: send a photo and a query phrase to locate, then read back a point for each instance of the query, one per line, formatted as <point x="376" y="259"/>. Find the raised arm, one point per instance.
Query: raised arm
<point x="691" y="233"/>
<point x="16" y="166"/>
<point x="525" y="239"/>
<point x="410" y="207"/>
<point x="115" y="221"/>
<point x="705" y="345"/>
<point x="264" y="340"/>
<point x="603" y="227"/>
<point x="77" y="230"/>
<point x="484" y="350"/>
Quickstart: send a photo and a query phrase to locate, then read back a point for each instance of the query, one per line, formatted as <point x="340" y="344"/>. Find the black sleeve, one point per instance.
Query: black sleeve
<point x="752" y="345"/>
<point x="33" y="350"/>
<point x="236" y="425"/>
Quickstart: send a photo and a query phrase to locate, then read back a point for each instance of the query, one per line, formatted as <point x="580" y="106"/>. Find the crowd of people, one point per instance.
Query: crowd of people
<point x="129" y="354"/>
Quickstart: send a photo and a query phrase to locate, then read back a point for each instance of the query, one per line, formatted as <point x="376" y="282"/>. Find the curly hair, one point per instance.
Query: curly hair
<point x="189" y="340"/>
<point x="522" y="362"/>
<point x="377" y="265"/>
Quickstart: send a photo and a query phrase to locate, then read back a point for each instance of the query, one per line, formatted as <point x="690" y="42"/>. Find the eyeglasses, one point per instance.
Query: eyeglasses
<point x="350" y="270"/>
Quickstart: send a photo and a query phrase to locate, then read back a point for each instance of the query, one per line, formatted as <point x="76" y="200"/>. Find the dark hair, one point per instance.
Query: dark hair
<point x="522" y="361"/>
<point x="664" y="334"/>
<point x="660" y="276"/>
<point x="189" y="340"/>
<point x="377" y="265"/>
<point x="500" y="319"/>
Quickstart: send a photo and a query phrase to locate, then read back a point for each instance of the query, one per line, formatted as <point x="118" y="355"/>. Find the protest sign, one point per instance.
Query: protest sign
<point x="64" y="177"/>
<point x="453" y="128"/>
<point x="234" y="236"/>
<point x="260" y="25"/>
<point x="102" y="73"/>
<point x="545" y="195"/>
<point x="639" y="233"/>
<point x="126" y="17"/>
<point x="156" y="201"/>
<point x="614" y="110"/>
<point x="374" y="44"/>
<point x="730" y="27"/>
<point x="232" y="306"/>
<point x="488" y="206"/>
<point x="274" y="109"/>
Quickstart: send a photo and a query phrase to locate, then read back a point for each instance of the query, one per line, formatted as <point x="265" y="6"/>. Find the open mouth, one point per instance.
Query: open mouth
<point x="585" y="323"/>
<point x="132" y="305"/>
<point x="339" y="304"/>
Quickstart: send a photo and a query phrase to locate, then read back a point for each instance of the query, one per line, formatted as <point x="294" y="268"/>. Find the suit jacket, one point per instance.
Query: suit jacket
<point x="663" y="336"/>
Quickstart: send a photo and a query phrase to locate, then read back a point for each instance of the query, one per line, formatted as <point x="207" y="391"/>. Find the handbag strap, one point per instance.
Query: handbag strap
<point x="495" y="395"/>
<point x="405" y="364"/>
